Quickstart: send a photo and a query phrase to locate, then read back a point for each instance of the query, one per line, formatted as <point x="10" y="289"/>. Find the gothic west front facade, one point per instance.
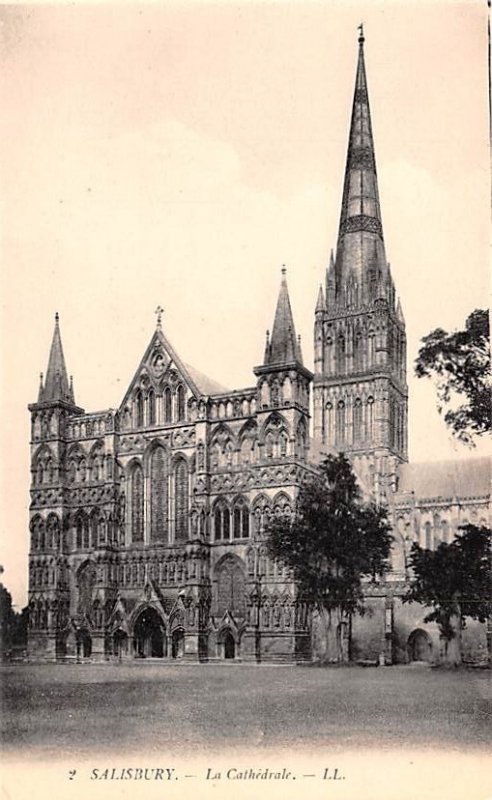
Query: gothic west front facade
<point x="147" y="521"/>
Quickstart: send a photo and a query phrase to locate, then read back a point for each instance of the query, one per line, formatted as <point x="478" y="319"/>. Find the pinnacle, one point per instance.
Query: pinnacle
<point x="56" y="385"/>
<point x="283" y="346"/>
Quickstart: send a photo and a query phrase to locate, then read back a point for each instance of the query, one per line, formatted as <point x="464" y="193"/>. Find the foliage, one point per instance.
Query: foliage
<point x="13" y="626"/>
<point x="460" y="362"/>
<point x="7" y="619"/>
<point x="333" y="539"/>
<point x="455" y="579"/>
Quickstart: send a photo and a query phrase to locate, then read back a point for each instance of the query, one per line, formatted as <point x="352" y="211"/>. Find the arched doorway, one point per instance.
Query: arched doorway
<point x="419" y="646"/>
<point x="148" y="635"/>
<point x="84" y="643"/>
<point x="177" y="648"/>
<point x="229" y="645"/>
<point x="120" y="643"/>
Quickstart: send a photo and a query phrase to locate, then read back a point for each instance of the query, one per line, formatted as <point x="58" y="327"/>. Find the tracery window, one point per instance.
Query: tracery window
<point x="222" y="522"/>
<point x="181" y="501"/>
<point x="82" y="531"/>
<point x="231" y="588"/>
<point x="241" y="520"/>
<point x="137" y="498"/>
<point x="158" y="496"/>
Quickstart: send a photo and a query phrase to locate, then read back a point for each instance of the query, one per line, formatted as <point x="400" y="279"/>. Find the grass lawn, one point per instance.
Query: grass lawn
<point x="59" y="710"/>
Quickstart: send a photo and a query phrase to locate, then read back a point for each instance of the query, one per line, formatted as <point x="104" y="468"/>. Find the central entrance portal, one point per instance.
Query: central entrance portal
<point x="149" y="636"/>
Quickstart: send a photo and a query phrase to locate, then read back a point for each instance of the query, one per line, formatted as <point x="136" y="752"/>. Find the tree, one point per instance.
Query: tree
<point x="454" y="580"/>
<point x="330" y="544"/>
<point x="460" y="362"/>
<point x="7" y="622"/>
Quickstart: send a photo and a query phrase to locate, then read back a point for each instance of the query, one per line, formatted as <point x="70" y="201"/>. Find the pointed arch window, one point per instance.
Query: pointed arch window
<point x="180" y="402"/>
<point x="357" y="421"/>
<point x="275" y="394"/>
<point x="215" y="455"/>
<point x="340" y="355"/>
<point x="358" y="351"/>
<point x="370" y="349"/>
<point x="181" y="501"/>
<point x="231" y="588"/>
<point x="79" y="532"/>
<point x="72" y="471"/>
<point x="82" y="532"/>
<point x="340" y="424"/>
<point x="370" y="419"/>
<point x="151" y="407"/>
<point x="139" y="409"/>
<point x="82" y="471"/>
<point x="168" y="406"/>
<point x="241" y="520"/>
<point x="222" y="522"/>
<point x="94" y="530"/>
<point x="218" y="524"/>
<point x="158" y="496"/>
<point x="283" y="443"/>
<point x="137" y="498"/>
<point x="269" y="445"/>
<point x="101" y="530"/>
<point x="329" y="423"/>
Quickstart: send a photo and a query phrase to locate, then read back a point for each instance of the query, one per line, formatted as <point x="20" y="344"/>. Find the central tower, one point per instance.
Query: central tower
<point x="360" y="391"/>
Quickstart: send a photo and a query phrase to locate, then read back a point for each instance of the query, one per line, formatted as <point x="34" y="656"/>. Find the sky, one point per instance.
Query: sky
<point x="180" y="153"/>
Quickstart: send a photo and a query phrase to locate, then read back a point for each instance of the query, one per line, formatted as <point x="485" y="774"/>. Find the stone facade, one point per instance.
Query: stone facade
<point x="147" y="521"/>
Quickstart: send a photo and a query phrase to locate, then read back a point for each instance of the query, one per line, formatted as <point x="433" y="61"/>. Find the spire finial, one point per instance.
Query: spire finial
<point x="360" y="28"/>
<point x="159" y="312"/>
<point x="284" y="270"/>
<point x="57" y="316"/>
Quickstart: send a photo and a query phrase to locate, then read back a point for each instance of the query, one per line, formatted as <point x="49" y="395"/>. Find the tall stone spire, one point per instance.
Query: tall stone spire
<point x="360" y="392"/>
<point x="283" y="346"/>
<point x="360" y="248"/>
<point x="56" y="384"/>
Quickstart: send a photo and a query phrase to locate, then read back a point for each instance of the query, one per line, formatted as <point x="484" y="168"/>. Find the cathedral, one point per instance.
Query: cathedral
<point x="147" y="522"/>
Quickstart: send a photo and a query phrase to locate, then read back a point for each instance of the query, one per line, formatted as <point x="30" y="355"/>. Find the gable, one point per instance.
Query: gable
<point x="160" y="368"/>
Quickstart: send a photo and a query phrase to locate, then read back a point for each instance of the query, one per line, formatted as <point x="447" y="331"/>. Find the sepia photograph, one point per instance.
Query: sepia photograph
<point x="245" y="400"/>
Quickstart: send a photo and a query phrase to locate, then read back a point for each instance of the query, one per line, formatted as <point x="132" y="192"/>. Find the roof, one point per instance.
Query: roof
<point x="457" y="478"/>
<point x="205" y="384"/>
